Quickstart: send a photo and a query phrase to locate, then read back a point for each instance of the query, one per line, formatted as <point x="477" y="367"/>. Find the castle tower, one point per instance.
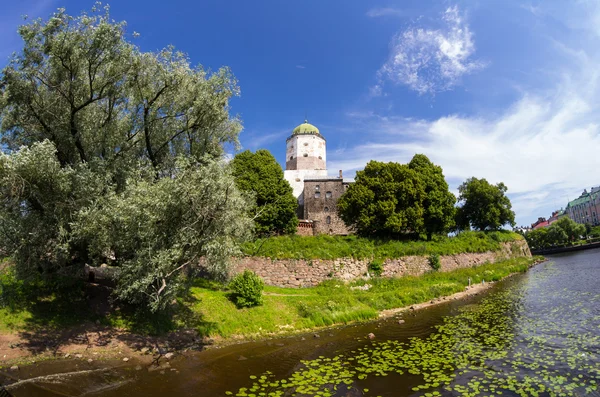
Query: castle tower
<point x="305" y="158"/>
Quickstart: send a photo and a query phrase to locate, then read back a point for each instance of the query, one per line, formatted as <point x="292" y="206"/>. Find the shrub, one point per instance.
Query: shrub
<point x="247" y="289"/>
<point x="376" y="267"/>
<point x="434" y="262"/>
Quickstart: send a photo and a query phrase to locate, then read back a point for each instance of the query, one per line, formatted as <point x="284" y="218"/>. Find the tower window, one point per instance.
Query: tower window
<point x="305" y="143"/>
<point x="317" y="194"/>
<point x="326" y="209"/>
<point x="328" y="194"/>
<point x="317" y="187"/>
<point x="328" y="220"/>
<point x="305" y="154"/>
<point x="291" y="157"/>
<point x="320" y="158"/>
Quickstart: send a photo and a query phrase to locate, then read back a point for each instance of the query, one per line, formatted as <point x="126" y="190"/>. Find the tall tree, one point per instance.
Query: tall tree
<point x="439" y="210"/>
<point x="484" y="205"/>
<point x="261" y="174"/>
<point x="386" y="200"/>
<point x="92" y="125"/>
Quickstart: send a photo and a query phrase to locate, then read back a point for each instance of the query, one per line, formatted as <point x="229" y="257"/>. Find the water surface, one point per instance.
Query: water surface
<point x="533" y="334"/>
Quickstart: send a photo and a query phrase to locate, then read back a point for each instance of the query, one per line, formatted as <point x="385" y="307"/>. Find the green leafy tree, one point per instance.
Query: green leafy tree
<point x="115" y="154"/>
<point x="573" y="230"/>
<point x="485" y="206"/>
<point x="439" y="210"/>
<point x="386" y="200"/>
<point x="261" y="174"/>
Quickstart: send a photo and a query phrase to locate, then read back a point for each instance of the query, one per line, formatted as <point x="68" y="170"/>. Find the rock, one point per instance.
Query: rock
<point x="317" y="335"/>
<point x="401" y="321"/>
<point x="14" y="368"/>
<point x="330" y="334"/>
<point x="125" y="359"/>
<point x="371" y="336"/>
<point x="138" y="368"/>
<point x="242" y="358"/>
<point x="144" y="350"/>
<point x="67" y="355"/>
<point x="90" y="360"/>
<point x="169" y="355"/>
<point x="412" y="308"/>
<point x="78" y="356"/>
<point x="303" y="338"/>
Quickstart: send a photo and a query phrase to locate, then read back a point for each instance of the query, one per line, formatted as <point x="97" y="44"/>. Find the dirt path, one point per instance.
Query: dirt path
<point x="469" y="291"/>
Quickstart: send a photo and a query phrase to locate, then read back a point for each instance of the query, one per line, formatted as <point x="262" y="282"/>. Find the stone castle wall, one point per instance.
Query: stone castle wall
<point x="307" y="273"/>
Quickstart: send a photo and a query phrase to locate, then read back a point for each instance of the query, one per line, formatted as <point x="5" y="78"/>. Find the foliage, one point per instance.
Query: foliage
<point x="261" y="174"/>
<point x="332" y="247"/>
<point x="434" y="261"/>
<point x="385" y="200"/>
<point x="247" y="288"/>
<point x="376" y="267"/>
<point x="439" y="210"/>
<point x="157" y="228"/>
<point x="560" y="232"/>
<point x="114" y="154"/>
<point x="213" y="313"/>
<point x="484" y="206"/>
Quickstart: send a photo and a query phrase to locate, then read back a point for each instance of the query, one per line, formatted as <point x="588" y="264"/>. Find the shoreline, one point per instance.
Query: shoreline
<point x="89" y="341"/>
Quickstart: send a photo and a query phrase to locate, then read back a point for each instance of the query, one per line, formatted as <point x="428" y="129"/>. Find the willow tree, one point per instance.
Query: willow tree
<point x="115" y="154"/>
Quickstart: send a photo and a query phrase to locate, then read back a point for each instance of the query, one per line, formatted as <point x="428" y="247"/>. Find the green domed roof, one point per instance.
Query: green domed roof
<point x="306" y="129"/>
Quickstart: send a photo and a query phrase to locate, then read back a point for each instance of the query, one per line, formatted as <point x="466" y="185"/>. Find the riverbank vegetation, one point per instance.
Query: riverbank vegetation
<point x="210" y="307"/>
<point x="332" y="247"/>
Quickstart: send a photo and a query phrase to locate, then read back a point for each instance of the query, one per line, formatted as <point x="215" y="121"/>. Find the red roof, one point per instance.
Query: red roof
<point x="541" y="224"/>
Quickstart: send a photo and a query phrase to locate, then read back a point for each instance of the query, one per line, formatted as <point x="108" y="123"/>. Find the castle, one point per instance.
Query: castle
<point x="316" y="192"/>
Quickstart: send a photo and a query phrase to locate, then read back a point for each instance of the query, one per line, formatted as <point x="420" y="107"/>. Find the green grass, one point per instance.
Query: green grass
<point x="332" y="247"/>
<point x="333" y="302"/>
<point x="210" y="309"/>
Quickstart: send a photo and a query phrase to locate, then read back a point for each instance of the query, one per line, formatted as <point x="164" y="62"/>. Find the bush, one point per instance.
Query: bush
<point x="376" y="267"/>
<point x="434" y="262"/>
<point x="247" y="289"/>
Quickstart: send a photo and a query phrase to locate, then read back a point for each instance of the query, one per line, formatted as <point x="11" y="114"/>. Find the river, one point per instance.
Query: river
<point x="532" y="334"/>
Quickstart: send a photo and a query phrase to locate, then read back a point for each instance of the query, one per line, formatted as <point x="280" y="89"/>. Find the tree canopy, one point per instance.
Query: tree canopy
<point x="561" y="232"/>
<point x="484" y="206"/>
<point x="386" y="200"/>
<point x="261" y="174"/>
<point x="115" y="154"/>
<point x="438" y="205"/>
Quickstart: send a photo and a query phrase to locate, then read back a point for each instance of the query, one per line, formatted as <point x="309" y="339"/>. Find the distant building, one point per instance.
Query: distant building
<point x="540" y="223"/>
<point x="585" y="208"/>
<point x="316" y="192"/>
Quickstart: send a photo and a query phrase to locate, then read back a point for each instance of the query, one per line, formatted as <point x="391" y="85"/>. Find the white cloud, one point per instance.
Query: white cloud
<point x="300" y="66"/>
<point x="384" y="12"/>
<point x="544" y="147"/>
<point x="432" y="60"/>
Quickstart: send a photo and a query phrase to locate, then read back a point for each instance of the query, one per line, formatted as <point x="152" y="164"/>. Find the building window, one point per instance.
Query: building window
<point x="305" y="143"/>
<point x="317" y="194"/>
<point x="328" y="220"/>
<point x="291" y="157"/>
<point x="317" y="187"/>
<point x="320" y="158"/>
<point x="328" y="194"/>
<point x="305" y="155"/>
<point x="326" y="209"/>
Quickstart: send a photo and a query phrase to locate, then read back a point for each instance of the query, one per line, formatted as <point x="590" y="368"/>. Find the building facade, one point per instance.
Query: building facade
<point x="585" y="208"/>
<point x="316" y="192"/>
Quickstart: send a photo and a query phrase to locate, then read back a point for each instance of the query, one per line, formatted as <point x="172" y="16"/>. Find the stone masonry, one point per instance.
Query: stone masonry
<point x="307" y="273"/>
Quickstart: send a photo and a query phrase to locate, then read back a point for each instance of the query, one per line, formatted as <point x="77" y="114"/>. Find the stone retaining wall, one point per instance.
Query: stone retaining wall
<point x="307" y="273"/>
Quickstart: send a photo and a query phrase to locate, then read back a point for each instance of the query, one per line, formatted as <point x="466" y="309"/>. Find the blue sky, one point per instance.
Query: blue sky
<point x="496" y="89"/>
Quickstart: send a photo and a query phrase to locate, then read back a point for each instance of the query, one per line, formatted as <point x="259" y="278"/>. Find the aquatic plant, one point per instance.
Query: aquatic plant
<point x="499" y="346"/>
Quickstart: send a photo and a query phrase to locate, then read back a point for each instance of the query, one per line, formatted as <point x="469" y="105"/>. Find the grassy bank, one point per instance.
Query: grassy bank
<point x="210" y="310"/>
<point x="333" y="302"/>
<point x="332" y="247"/>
